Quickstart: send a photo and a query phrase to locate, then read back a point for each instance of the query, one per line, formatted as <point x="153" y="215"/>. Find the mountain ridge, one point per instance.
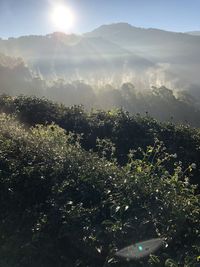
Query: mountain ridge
<point x="115" y="24"/>
<point x="111" y="49"/>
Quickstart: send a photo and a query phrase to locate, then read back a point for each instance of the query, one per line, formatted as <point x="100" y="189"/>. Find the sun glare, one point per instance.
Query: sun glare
<point x="62" y="17"/>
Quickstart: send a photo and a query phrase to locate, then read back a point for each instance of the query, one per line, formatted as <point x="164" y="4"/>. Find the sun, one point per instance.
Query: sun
<point x="62" y="17"/>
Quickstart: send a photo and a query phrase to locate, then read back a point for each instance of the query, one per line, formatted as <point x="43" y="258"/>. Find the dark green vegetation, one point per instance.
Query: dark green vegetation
<point x="123" y="130"/>
<point x="73" y="189"/>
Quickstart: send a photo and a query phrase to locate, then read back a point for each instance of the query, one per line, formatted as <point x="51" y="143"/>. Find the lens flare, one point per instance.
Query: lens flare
<point x="141" y="249"/>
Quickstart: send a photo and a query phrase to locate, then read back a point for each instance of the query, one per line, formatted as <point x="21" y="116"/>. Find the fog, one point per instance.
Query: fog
<point x="145" y="71"/>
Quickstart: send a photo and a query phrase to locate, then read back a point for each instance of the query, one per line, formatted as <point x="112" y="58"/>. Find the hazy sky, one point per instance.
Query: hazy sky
<point x="24" y="17"/>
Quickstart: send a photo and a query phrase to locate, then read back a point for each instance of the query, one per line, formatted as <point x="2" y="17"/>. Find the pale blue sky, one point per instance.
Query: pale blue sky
<point x="25" y="17"/>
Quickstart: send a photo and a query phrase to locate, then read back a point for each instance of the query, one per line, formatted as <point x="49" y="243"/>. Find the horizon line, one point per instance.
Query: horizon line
<point x="106" y="24"/>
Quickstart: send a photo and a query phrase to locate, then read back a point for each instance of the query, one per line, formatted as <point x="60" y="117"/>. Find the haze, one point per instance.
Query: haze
<point x="99" y="133"/>
<point x="89" y="52"/>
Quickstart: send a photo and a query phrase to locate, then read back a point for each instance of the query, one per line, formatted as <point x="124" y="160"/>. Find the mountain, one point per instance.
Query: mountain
<point x="73" y="56"/>
<point x="161" y="45"/>
<point x="113" y="52"/>
<point x="177" y="52"/>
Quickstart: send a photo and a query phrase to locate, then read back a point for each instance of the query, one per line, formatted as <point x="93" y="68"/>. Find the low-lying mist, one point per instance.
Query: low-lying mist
<point x="146" y="71"/>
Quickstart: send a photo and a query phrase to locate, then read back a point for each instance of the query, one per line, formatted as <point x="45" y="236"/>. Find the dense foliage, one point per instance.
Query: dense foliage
<point x="64" y="206"/>
<point x="123" y="130"/>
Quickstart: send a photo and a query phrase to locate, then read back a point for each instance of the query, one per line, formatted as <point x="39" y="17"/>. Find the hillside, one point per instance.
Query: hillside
<point x="72" y="56"/>
<point x="163" y="46"/>
<point x="73" y="200"/>
<point x="111" y="51"/>
<point x="178" y="52"/>
<point x="125" y="131"/>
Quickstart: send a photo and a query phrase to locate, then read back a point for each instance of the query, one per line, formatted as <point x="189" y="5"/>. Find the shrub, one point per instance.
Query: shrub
<point x="64" y="206"/>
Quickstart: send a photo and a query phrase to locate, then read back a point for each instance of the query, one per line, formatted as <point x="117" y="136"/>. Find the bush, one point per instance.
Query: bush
<point x="125" y="132"/>
<point x="64" y="206"/>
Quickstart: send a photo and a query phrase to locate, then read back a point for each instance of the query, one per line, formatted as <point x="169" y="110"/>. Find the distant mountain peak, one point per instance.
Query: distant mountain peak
<point x="118" y="25"/>
<point x="126" y="28"/>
